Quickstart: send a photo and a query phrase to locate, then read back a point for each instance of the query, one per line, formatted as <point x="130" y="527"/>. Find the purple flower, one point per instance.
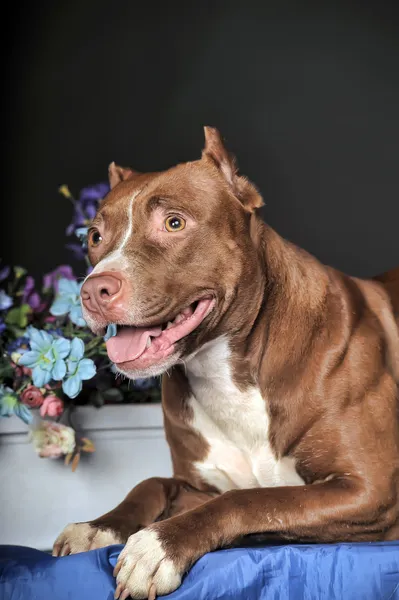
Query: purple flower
<point x="19" y="345"/>
<point x="93" y="193"/>
<point x="3" y="326"/>
<point x="29" y="295"/>
<point x="4" y="273"/>
<point x="77" y="250"/>
<point x="5" y="301"/>
<point x="51" y="279"/>
<point x="56" y="332"/>
<point x="86" y="207"/>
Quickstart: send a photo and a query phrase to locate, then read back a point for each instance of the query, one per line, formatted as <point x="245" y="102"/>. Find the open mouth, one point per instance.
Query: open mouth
<point x="143" y="347"/>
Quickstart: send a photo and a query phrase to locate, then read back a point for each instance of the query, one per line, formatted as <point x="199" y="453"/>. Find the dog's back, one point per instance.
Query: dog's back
<point x="390" y="281"/>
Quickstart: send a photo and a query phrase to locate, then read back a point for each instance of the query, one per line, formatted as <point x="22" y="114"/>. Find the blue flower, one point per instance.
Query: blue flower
<point x="30" y="332"/>
<point x="3" y="326"/>
<point x="9" y="405"/>
<point x="145" y="384"/>
<point x="8" y="400"/>
<point x="50" y="280"/>
<point x="23" y="412"/>
<point x="79" y="369"/>
<point x="67" y="301"/>
<point x="46" y="357"/>
<point x="111" y="331"/>
<point x="81" y="234"/>
<point x="5" y="300"/>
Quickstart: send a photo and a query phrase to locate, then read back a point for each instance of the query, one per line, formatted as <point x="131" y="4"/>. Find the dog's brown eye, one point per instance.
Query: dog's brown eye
<point x="174" y="223"/>
<point x="95" y="237"/>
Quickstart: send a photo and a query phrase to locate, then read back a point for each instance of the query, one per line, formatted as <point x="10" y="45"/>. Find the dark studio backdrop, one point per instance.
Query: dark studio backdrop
<point x="305" y="93"/>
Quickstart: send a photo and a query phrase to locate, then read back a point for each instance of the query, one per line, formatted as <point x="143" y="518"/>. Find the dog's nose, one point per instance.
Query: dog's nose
<point x="101" y="292"/>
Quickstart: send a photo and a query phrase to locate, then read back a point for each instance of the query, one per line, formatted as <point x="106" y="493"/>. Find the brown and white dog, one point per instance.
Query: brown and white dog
<point x="280" y="385"/>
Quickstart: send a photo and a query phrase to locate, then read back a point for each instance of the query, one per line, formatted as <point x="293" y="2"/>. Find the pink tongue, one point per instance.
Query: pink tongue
<point x="130" y="343"/>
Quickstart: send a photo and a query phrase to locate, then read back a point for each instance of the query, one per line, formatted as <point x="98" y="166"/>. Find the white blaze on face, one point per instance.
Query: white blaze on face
<point x="117" y="259"/>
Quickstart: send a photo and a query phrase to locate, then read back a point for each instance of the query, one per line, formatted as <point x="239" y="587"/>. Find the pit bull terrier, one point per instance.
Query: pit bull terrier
<point x="280" y="375"/>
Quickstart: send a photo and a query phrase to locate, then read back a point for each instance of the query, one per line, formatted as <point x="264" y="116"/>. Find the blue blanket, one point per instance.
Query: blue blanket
<point x="294" y="572"/>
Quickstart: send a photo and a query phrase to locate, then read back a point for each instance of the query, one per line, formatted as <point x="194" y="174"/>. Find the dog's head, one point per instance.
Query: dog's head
<point x="175" y="259"/>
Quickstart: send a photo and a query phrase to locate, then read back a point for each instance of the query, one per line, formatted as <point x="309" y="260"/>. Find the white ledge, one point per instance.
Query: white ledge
<point x="128" y="416"/>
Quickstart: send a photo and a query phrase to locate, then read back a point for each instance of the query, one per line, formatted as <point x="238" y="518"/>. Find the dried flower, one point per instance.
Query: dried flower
<point x="53" y="440"/>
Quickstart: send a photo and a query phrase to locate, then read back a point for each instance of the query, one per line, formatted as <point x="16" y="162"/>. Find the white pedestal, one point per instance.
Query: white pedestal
<point x="39" y="496"/>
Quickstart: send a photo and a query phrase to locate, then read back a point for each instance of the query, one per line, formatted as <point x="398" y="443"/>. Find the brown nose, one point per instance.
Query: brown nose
<point x="100" y="292"/>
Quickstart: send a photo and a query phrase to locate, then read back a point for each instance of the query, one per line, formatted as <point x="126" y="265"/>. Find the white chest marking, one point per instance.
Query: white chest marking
<point x="235" y="424"/>
<point x="117" y="257"/>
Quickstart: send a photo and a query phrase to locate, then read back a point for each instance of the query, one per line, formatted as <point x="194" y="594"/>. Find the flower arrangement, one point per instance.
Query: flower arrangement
<point x="49" y="358"/>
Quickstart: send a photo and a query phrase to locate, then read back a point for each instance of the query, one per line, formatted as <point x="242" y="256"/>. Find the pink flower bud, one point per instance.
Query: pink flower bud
<point x="32" y="397"/>
<point x="52" y="407"/>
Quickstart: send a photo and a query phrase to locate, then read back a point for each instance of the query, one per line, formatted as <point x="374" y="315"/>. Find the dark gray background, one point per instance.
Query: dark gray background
<point x="305" y="93"/>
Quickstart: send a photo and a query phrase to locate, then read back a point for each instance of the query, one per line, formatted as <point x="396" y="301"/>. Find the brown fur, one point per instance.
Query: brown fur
<point x="322" y="347"/>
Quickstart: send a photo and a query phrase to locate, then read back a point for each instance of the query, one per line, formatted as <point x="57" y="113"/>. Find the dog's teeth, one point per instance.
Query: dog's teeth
<point x="169" y="325"/>
<point x="178" y="319"/>
<point x="187" y="312"/>
<point x="148" y="342"/>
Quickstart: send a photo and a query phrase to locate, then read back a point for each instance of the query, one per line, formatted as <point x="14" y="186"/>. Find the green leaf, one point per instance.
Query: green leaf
<point x="112" y="395"/>
<point x="96" y="399"/>
<point x="18" y="316"/>
<point x="6" y="371"/>
<point x="17" y="332"/>
<point x="19" y="272"/>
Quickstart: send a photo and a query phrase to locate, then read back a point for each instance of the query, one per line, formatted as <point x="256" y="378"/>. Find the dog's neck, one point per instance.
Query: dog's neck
<point x="283" y="303"/>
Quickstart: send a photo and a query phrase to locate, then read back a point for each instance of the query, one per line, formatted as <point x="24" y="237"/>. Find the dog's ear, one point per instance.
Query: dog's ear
<point x="243" y="189"/>
<point x="116" y="174"/>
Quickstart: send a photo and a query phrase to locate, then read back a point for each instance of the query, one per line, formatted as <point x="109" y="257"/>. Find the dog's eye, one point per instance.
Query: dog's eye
<point x="95" y="238"/>
<point x="174" y="223"/>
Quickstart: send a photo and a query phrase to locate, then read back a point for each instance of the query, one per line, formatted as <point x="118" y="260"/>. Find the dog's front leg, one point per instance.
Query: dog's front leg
<point x="154" y="560"/>
<point x="152" y="500"/>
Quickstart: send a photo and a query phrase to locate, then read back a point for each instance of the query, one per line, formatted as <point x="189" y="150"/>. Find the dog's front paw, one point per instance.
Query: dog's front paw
<point x="144" y="568"/>
<point x="81" y="537"/>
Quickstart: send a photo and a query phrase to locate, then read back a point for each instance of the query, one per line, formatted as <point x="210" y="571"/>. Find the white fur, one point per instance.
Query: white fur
<point x="116" y="258"/>
<point x="235" y="424"/>
<point x="81" y="537"/>
<point x="144" y="563"/>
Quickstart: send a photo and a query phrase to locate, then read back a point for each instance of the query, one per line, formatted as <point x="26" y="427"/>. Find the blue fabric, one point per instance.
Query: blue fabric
<point x="294" y="572"/>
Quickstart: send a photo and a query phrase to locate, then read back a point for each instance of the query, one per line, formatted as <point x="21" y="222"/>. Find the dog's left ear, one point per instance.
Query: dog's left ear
<point x="116" y="174"/>
<point x="243" y="189"/>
